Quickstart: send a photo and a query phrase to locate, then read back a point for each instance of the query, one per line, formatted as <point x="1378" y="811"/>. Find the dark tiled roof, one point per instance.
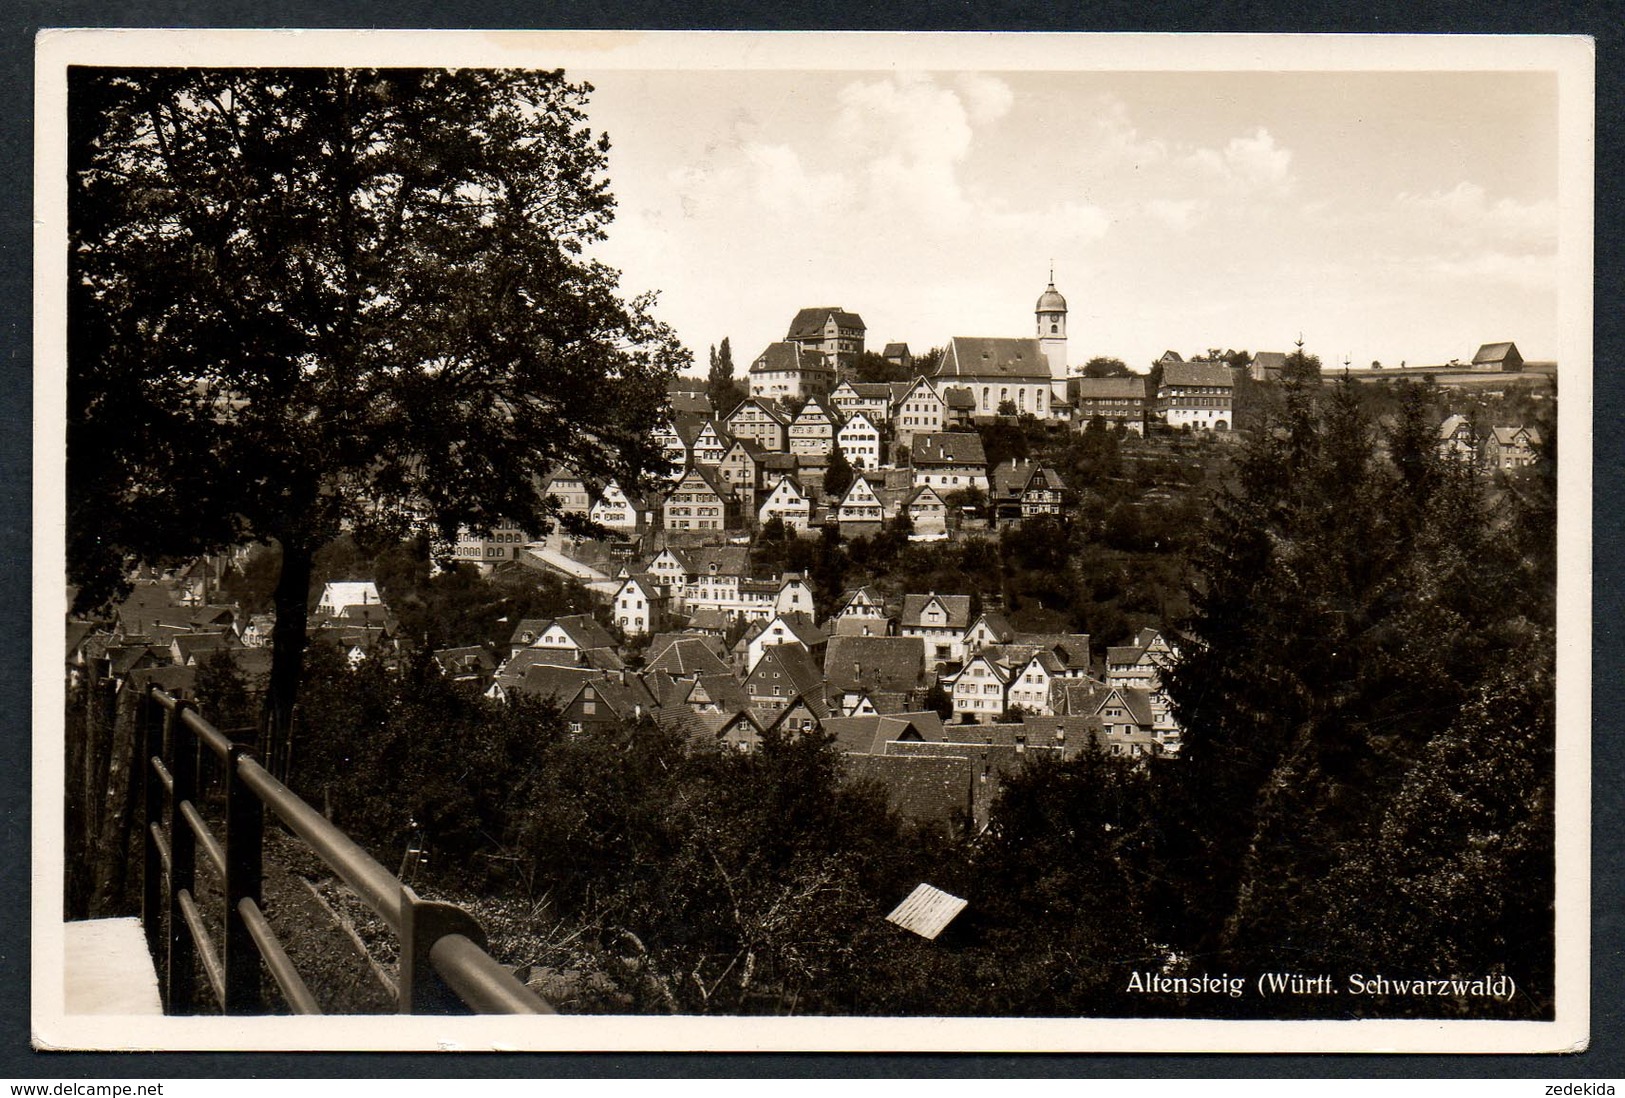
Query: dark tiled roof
<point x="1506" y="436"/>
<point x="895" y="664"/>
<point x="730" y="560"/>
<point x="660" y="641"/>
<point x="721" y="690"/>
<point x="1106" y="388"/>
<point x="708" y="618"/>
<point x="691" y="404"/>
<point x="787" y="356"/>
<point x="872" y="390"/>
<point x="1072" y="649"/>
<point x="173" y="678"/>
<point x="922" y="788"/>
<point x="1496" y="352"/>
<point x="894" y="350"/>
<point x="466" y="660"/>
<point x="982" y="356"/>
<point x="766" y="406"/>
<point x="948" y="448"/>
<point x="809" y="323"/>
<point x="1269" y="361"/>
<point x="958" y="396"/>
<point x="559" y="683"/>
<point x="191" y="645"/>
<point x="1198" y="373"/>
<point x="688" y="656"/>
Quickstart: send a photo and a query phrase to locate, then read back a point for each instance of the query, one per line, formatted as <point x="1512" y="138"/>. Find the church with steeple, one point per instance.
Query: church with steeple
<point x="1022" y="376"/>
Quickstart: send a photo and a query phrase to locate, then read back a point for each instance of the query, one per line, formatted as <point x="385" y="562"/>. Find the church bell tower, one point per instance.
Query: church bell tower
<point x="1051" y="314"/>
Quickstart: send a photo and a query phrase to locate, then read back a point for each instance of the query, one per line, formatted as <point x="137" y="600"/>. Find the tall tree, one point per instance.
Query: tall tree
<point x="309" y="300"/>
<point x="1301" y="366"/>
<point x="720" y="385"/>
<point x="838" y="477"/>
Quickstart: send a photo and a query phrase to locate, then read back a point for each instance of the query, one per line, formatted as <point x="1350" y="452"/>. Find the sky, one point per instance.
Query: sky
<point x="1387" y="216"/>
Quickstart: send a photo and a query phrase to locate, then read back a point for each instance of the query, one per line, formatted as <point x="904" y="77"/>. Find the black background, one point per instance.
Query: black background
<point x="20" y="19"/>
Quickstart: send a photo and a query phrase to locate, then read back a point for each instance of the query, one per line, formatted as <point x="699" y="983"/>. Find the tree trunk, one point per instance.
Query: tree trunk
<point x="288" y="640"/>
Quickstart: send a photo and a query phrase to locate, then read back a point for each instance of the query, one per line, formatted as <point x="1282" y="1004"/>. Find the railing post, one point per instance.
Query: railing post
<point x="423" y="923"/>
<point x="245" y="832"/>
<point x="149" y="746"/>
<point x="181" y="976"/>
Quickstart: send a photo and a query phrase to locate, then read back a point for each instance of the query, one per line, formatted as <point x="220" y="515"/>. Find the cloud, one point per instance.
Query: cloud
<point x="782" y="182"/>
<point x="1251" y="163"/>
<point x="987" y="98"/>
<point x="1467" y="208"/>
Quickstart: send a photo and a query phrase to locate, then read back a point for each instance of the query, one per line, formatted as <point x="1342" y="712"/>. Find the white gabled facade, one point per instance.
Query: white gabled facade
<point x="614" y="510"/>
<point x="793" y="596"/>
<point x="636" y="608"/>
<point x="788" y="503"/>
<point x="928" y="513"/>
<point x="860" y="504"/>
<point x="812" y="432"/>
<point x="920" y="411"/>
<point x="1030" y="688"/>
<point x="859" y="440"/>
<point x="669" y="570"/>
<point x="672" y="448"/>
<point x="709" y="445"/>
<point x="979" y="690"/>
<point x="863" y="603"/>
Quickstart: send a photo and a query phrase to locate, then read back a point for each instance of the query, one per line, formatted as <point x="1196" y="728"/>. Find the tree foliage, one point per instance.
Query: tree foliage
<point x="309" y="299"/>
<point x="1105" y="366"/>
<point x="1354" y="618"/>
<point x="721" y="387"/>
<point x="838" y="477"/>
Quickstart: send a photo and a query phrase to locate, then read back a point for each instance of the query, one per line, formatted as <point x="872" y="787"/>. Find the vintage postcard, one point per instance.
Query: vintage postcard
<point x="772" y="542"/>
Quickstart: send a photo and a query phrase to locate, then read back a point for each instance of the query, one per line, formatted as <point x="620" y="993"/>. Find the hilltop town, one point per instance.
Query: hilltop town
<point x="863" y="558"/>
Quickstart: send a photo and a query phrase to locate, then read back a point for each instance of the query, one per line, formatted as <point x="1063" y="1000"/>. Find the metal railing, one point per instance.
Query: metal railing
<point x="443" y="962"/>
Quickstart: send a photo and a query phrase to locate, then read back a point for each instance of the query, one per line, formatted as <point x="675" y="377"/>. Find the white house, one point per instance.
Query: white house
<point x="978" y="690"/>
<point x="1197" y="395"/>
<point x="788" y="503"/>
<point x="339" y="596"/>
<point x="941" y="620"/>
<point x="616" y="510"/>
<point x="859" y="440"/>
<point x="709" y="445"/>
<point x="920" y="409"/>
<point x="636" y="607"/>
<point x="873" y="399"/>
<point x="861" y="504"/>
<point x="928" y="513"/>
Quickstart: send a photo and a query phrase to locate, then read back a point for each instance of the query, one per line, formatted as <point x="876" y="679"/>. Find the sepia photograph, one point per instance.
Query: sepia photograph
<point x="697" y="541"/>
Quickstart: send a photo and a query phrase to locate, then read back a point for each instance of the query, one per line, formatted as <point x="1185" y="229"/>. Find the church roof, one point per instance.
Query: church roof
<point x="1050" y="301"/>
<point x="991" y="357"/>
